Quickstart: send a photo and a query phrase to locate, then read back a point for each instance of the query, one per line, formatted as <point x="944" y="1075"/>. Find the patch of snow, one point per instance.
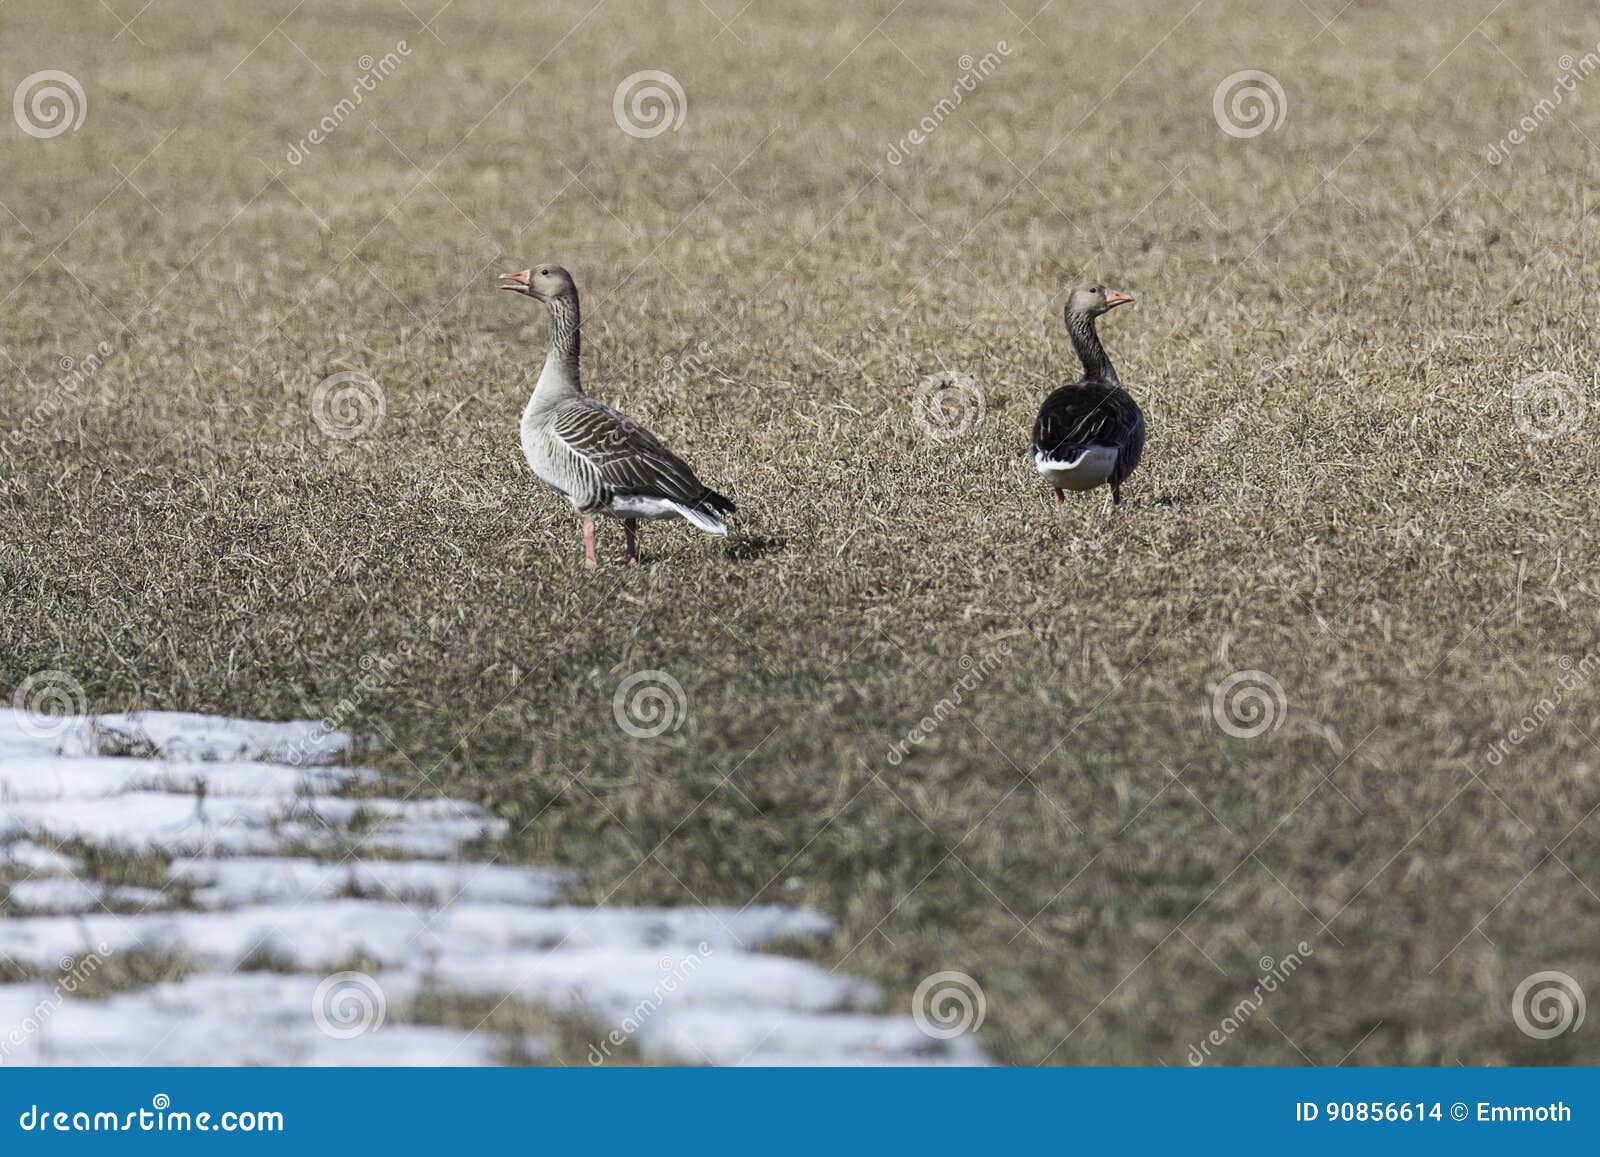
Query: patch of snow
<point x="187" y="824"/>
<point x="230" y="798"/>
<point x="66" y="894"/>
<point x="178" y="735"/>
<point x="185" y="735"/>
<point x="149" y="820"/>
<point x="228" y="883"/>
<point x="36" y="859"/>
<point x="320" y="934"/>
<point x="20" y="734"/>
<point x="248" y="1018"/>
<point x="51" y="777"/>
<point x="612" y="982"/>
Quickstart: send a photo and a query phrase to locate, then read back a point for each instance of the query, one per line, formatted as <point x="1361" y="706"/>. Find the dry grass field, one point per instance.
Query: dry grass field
<point x="1351" y="493"/>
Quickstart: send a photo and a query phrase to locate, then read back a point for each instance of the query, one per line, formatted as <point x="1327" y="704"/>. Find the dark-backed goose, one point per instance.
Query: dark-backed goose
<point x="1090" y="432"/>
<point x="601" y="461"/>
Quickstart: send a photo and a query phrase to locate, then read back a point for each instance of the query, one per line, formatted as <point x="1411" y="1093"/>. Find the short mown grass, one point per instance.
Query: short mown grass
<point x="1332" y="320"/>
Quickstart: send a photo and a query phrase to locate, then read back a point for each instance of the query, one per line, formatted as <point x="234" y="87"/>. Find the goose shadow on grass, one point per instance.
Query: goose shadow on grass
<point x="743" y="548"/>
<point x="748" y="548"/>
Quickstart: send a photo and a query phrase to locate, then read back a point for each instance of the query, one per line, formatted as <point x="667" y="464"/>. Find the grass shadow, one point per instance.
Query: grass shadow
<point x="753" y="547"/>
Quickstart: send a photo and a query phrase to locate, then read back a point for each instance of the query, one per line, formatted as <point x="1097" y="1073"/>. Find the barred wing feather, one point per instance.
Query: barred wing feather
<point x="626" y="458"/>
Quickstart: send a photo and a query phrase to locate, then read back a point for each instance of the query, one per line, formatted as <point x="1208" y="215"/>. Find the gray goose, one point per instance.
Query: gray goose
<point x="1090" y="432"/>
<point x="601" y="461"/>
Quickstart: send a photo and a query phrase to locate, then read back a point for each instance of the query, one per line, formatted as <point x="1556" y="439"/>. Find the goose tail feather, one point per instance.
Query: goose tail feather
<point x="704" y="519"/>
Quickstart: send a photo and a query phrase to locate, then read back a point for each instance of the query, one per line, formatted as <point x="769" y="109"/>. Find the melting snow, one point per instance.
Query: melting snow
<point x="227" y="883"/>
<point x="249" y="1018"/>
<point x="270" y="869"/>
<point x="57" y="894"/>
<point x="32" y="857"/>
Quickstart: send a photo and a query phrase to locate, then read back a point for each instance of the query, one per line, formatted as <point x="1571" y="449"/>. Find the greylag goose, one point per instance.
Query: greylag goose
<point x="598" y="459"/>
<point x="1091" y="432"/>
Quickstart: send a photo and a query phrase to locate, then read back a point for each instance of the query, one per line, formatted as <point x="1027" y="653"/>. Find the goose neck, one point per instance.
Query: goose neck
<point x="560" y="373"/>
<point x="1096" y="364"/>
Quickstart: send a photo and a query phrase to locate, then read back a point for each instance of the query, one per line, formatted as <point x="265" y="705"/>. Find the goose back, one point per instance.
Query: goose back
<point x="1084" y="415"/>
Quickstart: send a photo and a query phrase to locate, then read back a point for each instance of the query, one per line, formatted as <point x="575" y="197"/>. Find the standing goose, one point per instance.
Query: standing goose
<point x="1092" y="431"/>
<point x="601" y="461"/>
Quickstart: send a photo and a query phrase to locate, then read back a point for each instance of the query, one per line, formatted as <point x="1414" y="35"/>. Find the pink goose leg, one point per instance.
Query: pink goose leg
<point x="589" y="559"/>
<point x="630" y="531"/>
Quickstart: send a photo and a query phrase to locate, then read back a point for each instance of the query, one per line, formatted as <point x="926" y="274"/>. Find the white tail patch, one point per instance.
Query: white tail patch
<point x="702" y="519"/>
<point x="1043" y="461"/>
<point x="1088" y="470"/>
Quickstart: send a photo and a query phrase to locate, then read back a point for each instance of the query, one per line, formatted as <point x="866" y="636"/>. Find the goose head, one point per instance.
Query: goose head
<point x="1093" y="299"/>
<point x="541" y="282"/>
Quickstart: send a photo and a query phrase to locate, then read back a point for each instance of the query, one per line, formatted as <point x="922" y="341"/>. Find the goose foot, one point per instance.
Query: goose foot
<point x="590" y="561"/>
<point x="1060" y="501"/>
<point x="630" y="531"/>
<point x="1116" y="496"/>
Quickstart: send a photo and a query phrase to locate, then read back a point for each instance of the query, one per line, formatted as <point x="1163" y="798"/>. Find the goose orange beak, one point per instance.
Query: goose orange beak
<point x="1114" y="299"/>
<point x="517" y="281"/>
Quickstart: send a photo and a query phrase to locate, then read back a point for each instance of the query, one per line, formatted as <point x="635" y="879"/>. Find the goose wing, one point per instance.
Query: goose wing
<point x="623" y="456"/>
<point x="1088" y="414"/>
